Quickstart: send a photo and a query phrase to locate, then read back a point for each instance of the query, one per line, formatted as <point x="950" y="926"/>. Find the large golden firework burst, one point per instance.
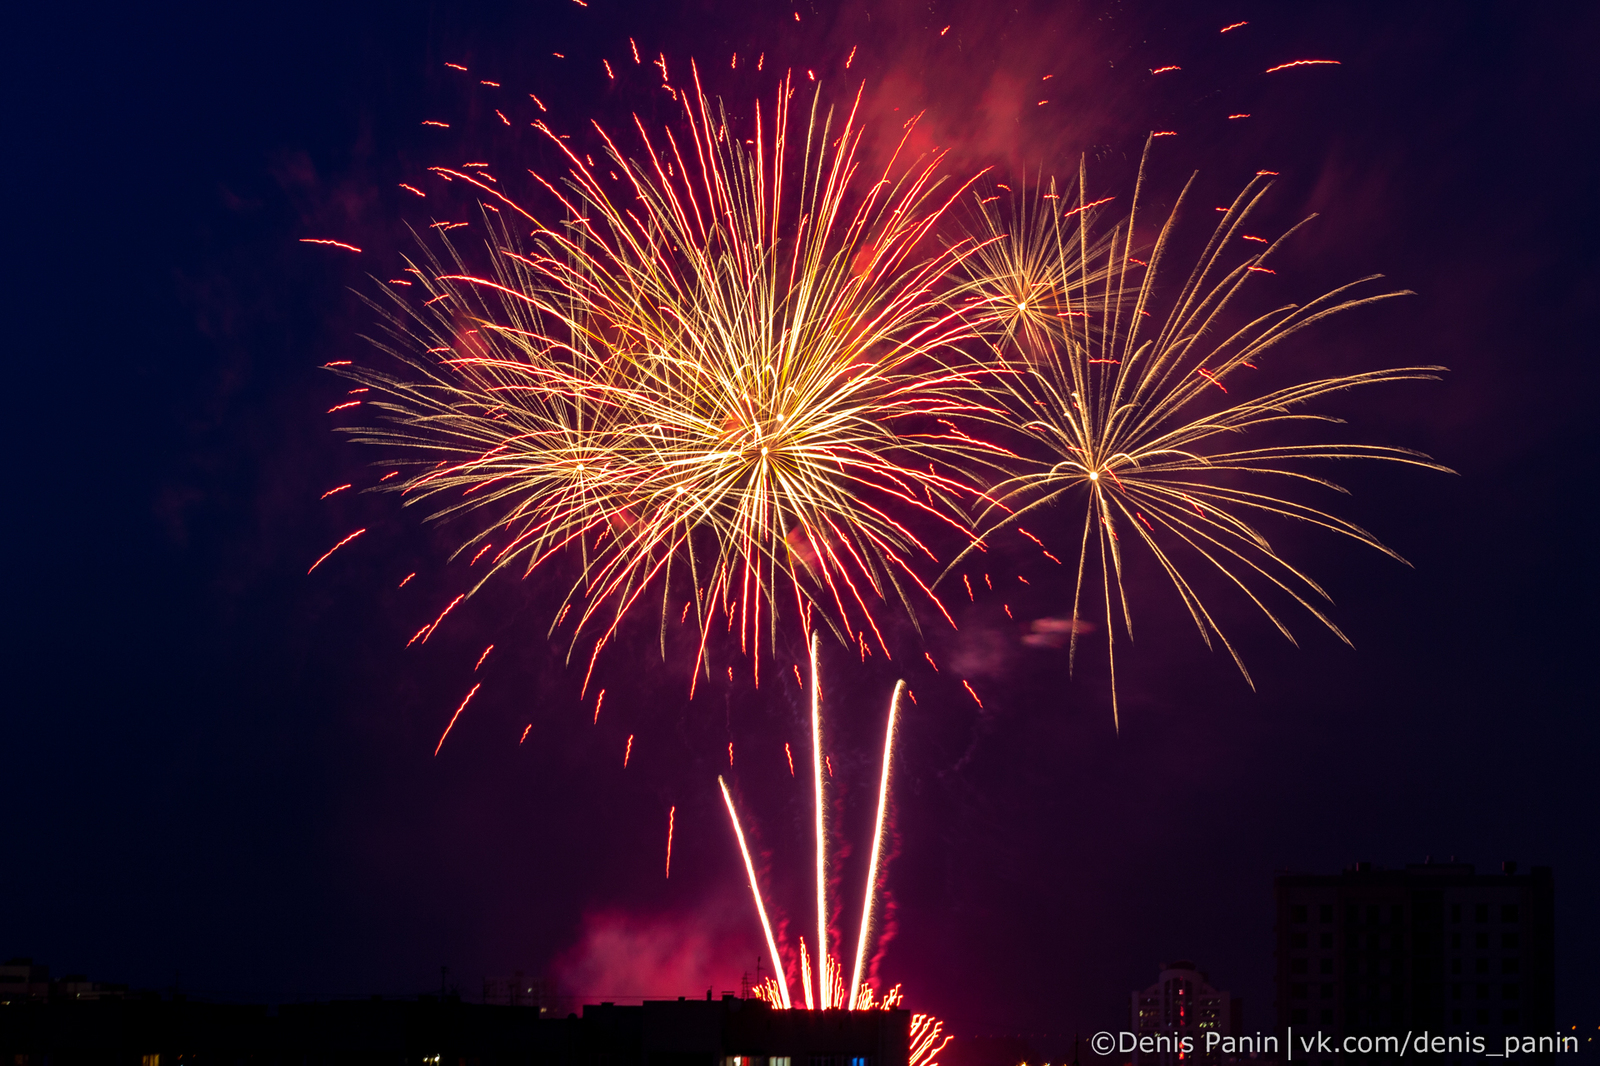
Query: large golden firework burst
<point x="1138" y="415"/>
<point x="718" y="379"/>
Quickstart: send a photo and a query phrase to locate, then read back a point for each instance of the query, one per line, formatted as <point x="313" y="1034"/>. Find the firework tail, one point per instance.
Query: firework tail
<point x="877" y="847"/>
<point x="820" y="969"/>
<point x="755" y="891"/>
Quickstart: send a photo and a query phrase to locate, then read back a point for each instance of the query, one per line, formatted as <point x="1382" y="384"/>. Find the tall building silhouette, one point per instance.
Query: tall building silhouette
<point x="1432" y="946"/>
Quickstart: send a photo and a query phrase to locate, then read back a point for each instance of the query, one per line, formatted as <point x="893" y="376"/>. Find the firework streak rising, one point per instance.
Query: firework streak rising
<point x="822" y="980"/>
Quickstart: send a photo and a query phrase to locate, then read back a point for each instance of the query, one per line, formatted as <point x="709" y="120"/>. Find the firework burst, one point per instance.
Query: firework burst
<point x="719" y="380"/>
<point x="1139" y="418"/>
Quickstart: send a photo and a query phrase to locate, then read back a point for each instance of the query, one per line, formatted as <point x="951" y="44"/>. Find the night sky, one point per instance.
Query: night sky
<point x="220" y="773"/>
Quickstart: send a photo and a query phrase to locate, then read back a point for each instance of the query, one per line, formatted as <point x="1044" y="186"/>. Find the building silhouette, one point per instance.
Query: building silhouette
<point x="1182" y="1004"/>
<point x="1434" y="946"/>
<point x="443" y="1031"/>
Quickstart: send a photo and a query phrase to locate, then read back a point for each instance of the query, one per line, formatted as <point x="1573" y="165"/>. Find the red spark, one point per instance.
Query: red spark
<point x="787" y="754"/>
<point x="427" y="631"/>
<point x="456" y="66"/>
<point x="1245" y="115"/>
<point x="1113" y="362"/>
<point x="525" y="733"/>
<point x="797" y="678"/>
<point x="1163" y="133"/>
<point x="850" y="58"/>
<point x="730" y="753"/>
<point x="337" y="362"/>
<point x="1085" y="207"/>
<point x="331" y="491"/>
<point x="597" y="702"/>
<point x="627" y="751"/>
<point x="1145" y="520"/>
<point x="406" y="580"/>
<point x="607" y="64"/>
<point x="968" y="686"/>
<point x="670" y="812"/>
<point x="1030" y="536"/>
<point x="1233" y="26"/>
<point x="1053" y="559"/>
<point x="331" y="243"/>
<point x="1209" y="376"/>
<point x="1007" y="606"/>
<point x="827" y="759"/>
<point x="968" y="582"/>
<point x="931" y="663"/>
<point x="336" y="547"/>
<point x="1247" y="237"/>
<point x="482" y="657"/>
<point x="635" y="50"/>
<point x="945" y="31"/>
<point x="1303" y="63"/>
<point x="413" y="189"/>
<point x="507" y="121"/>
<point x="435" y="122"/>
<point x="1263" y="270"/>
<point x="538" y="101"/>
<point x="490" y="84"/>
<point x="453" y="717"/>
<point x="1163" y="70"/>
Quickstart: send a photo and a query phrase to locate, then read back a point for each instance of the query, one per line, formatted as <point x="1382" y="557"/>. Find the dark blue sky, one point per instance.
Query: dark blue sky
<point x="217" y="765"/>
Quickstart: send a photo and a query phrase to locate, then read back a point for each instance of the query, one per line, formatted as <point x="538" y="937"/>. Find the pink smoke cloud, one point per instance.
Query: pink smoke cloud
<point x="621" y="956"/>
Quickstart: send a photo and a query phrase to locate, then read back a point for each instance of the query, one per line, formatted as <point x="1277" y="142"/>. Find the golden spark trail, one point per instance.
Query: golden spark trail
<point x="1141" y="416"/>
<point x="877" y="846"/>
<point x="720" y="371"/>
<point x="827" y="991"/>
<point x="755" y="892"/>
<point x="820" y="969"/>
